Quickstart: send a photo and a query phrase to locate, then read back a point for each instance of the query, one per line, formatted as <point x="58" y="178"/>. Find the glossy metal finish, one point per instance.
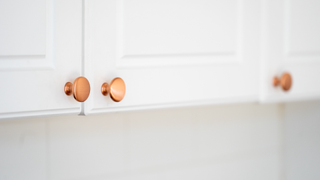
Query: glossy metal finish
<point x="80" y="89"/>
<point x="116" y="89"/>
<point x="285" y="81"/>
<point x="68" y="88"/>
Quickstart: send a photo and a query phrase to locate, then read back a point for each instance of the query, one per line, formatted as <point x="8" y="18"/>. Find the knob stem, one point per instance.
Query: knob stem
<point x="68" y="88"/>
<point x="276" y="81"/>
<point x="105" y="88"/>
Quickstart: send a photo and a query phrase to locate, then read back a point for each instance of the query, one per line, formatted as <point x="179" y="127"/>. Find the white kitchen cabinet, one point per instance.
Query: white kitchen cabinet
<point x="290" y="43"/>
<point x="169" y="53"/>
<point x="40" y="50"/>
<point x="172" y="52"/>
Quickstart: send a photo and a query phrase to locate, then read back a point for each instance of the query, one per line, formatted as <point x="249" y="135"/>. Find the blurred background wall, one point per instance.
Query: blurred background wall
<point x="242" y="141"/>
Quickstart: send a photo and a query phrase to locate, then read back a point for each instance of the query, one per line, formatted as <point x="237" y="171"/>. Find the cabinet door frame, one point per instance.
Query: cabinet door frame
<point x="222" y="77"/>
<point x="33" y="73"/>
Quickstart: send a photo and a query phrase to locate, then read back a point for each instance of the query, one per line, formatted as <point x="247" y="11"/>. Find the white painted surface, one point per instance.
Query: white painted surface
<point x="214" y="142"/>
<point x="172" y="52"/>
<point x="40" y="50"/>
<point x="24" y="33"/>
<point x="290" y="43"/>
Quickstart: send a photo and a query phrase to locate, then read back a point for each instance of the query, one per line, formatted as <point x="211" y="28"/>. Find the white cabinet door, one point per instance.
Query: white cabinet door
<point x="291" y="43"/>
<point x="40" y="50"/>
<point x="172" y="52"/>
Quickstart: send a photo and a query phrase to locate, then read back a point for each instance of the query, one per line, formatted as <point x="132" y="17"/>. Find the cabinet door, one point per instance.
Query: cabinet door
<point x="291" y="43"/>
<point x="172" y="52"/>
<point x="40" y="50"/>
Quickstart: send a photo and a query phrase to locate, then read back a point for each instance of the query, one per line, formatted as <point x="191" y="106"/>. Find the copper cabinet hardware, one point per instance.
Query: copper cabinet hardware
<point x="116" y="89"/>
<point x="80" y="89"/>
<point x="285" y="81"/>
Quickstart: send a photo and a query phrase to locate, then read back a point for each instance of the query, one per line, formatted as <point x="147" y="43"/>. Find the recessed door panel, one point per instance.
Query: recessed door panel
<point x="184" y="32"/>
<point x="301" y="28"/>
<point x="27" y="37"/>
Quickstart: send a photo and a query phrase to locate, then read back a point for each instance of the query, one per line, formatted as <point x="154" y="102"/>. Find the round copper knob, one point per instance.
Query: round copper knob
<point x="285" y="81"/>
<point x="80" y="89"/>
<point x="116" y="89"/>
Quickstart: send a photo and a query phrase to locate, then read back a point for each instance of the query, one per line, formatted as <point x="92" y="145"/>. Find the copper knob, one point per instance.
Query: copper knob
<point x="80" y="89"/>
<point x="285" y="81"/>
<point x="116" y="89"/>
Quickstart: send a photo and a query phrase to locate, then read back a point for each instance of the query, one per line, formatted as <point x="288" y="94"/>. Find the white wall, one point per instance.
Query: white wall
<point x="302" y="141"/>
<point x="243" y="141"/>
